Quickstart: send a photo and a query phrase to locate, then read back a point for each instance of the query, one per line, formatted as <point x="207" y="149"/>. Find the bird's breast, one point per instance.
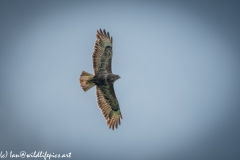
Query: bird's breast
<point x="101" y="79"/>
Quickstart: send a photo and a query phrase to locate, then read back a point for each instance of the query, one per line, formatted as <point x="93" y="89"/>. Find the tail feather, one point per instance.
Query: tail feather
<point x="86" y="81"/>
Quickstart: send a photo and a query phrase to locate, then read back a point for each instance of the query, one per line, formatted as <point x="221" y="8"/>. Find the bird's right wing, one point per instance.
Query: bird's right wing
<point x="108" y="103"/>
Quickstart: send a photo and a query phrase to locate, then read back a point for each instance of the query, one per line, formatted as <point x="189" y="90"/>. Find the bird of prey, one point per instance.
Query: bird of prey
<point x="103" y="79"/>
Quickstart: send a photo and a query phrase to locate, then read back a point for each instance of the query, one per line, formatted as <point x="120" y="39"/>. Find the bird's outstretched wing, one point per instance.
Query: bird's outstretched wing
<point x="102" y="55"/>
<point x="108" y="103"/>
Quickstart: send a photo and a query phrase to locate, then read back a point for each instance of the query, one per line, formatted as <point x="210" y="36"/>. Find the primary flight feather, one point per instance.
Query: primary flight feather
<point x="103" y="79"/>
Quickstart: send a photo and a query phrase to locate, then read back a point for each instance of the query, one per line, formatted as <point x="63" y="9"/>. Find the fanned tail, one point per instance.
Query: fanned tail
<point x="86" y="81"/>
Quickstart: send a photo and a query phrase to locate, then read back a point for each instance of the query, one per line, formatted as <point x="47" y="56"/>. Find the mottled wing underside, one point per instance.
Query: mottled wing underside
<point x="108" y="103"/>
<point x="102" y="55"/>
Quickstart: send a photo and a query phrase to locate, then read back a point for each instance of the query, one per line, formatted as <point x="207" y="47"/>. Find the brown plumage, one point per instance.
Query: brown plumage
<point x="103" y="79"/>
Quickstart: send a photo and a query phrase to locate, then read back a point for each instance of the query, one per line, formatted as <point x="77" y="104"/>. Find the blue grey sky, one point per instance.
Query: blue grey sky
<point x="179" y="88"/>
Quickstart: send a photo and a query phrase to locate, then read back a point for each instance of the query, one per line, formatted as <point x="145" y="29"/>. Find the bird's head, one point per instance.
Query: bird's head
<point x="117" y="77"/>
<point x="114" y="77"/>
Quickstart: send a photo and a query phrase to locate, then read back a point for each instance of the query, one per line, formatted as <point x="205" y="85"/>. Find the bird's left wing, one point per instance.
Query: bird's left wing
<point x="102" y="55"/>
<point x="108" y="103"/>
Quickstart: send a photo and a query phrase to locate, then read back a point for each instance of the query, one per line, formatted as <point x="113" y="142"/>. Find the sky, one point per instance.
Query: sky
<point x="178" y="92"/>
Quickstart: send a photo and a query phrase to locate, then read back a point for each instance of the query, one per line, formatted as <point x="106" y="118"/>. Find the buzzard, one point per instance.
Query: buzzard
<point x="103" y="79"/>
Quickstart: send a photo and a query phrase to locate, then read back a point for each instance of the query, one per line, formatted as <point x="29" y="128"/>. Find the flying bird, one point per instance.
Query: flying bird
<point x="103" y="79"/>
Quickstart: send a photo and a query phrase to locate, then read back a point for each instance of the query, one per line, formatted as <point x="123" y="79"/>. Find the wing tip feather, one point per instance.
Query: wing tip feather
<point x="114" y="122"/>
<point x="105" y="34"/>
<point x="102" y="33"/>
